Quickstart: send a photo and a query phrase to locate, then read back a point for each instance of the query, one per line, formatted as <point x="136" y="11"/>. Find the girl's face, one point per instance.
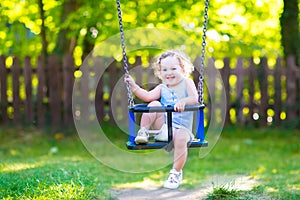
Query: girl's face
<point x="171" y="72"/>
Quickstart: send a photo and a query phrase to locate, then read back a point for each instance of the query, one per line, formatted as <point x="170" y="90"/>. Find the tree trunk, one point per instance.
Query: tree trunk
<point x="64" y="44"/>
<point x="290" y="35"/>
<point x="44" y="45"/>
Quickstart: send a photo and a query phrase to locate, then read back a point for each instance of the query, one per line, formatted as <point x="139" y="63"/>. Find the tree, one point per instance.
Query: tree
<point x="236" y="28"/>
<point x="65" y="43"/>
<point x="289" y="22"/>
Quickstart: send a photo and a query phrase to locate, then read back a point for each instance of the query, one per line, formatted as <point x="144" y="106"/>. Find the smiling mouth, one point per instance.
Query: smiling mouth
<point x="170" y="77"/>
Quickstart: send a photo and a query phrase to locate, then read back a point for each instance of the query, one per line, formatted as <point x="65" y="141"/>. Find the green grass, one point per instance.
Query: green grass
<point x="223" y="193"/>
<point x="38" y="165"/>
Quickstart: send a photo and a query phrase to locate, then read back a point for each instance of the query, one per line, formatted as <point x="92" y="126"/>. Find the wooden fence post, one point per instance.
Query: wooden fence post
<point x="278" y="92"/>
<point x="84" y="93"/>
<point x="152" y="79"/>
<point x="239" y="70"/>
<point x="225" y="72"/>
<point x="16" y="71"/>
<point x="28" y="89"/>
<point x="113" y="75"/>
<point x="99" y="101"/>
<point x="3" y="89"/>
<point x="138" y="70"/>
<point x="251" y="79"/>
<point x="41" y="91"/>
<point x="124" y="104"/>
<point x="291" y="89"/>
<point x="196" y="74"/>
<point x="211" y="86"/>
<point x="68" y="82"/>
<point x="54" y="90"/>
<point x="263" y="84"/>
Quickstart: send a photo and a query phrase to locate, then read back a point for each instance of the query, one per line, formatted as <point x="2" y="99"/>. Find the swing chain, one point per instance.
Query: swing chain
<point x="125" y="61"/>
<point x="201" y="76"/>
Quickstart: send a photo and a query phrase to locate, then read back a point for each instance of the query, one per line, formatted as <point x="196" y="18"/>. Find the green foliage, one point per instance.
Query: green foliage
<point x="239" y="28"/>
<point x="21" y="26"/>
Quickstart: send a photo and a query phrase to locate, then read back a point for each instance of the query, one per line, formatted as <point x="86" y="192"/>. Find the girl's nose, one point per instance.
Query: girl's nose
<point x="168" y="72"/>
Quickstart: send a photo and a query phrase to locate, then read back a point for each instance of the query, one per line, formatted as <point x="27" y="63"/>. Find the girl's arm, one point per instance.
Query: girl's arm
<point x="144" y="95"/>
<point x="191" y="99"/>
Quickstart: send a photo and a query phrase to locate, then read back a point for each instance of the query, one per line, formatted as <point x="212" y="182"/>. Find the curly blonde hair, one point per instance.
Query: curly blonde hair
<point x="183" y="59"/>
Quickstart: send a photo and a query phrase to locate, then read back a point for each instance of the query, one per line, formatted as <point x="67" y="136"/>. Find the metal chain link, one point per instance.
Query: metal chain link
<point x="125" y="61"/>
<point x="201" y="76"/>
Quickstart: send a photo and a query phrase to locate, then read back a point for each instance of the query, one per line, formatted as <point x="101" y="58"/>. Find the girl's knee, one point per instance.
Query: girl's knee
<point x="154" y="103"/>
<point x="180" y="138"/>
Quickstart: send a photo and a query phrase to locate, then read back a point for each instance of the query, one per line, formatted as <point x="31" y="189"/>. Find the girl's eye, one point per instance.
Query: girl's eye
<point x="164" y="70"/>
<point x="173" y="68"/>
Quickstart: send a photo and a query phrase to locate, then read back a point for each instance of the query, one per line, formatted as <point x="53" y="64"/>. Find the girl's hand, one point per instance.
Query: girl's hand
<point x="129" y="79"/>
<point x="179" y="106"/>
<point x="131" y="83"/>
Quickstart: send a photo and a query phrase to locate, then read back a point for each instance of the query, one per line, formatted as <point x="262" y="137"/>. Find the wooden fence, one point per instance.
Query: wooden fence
<point x="41" y="94"/>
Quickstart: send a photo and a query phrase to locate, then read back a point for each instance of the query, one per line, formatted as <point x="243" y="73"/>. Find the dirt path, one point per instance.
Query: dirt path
<point x="147" y="190"/>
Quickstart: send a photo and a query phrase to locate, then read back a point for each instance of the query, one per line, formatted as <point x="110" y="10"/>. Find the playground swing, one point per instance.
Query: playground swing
<point x="199" y="140"/>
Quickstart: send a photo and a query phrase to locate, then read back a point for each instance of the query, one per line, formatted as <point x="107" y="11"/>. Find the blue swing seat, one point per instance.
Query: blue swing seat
<point x="199" y="140"/>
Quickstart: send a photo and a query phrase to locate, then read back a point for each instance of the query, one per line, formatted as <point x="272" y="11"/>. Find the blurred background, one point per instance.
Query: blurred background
<point x="254" y="45"/>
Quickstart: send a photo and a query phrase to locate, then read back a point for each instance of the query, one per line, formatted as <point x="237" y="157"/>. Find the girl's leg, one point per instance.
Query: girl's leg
<point x="181" y="138"/>
<point x="148" y="120"/>
<point x="155" y="120"/>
